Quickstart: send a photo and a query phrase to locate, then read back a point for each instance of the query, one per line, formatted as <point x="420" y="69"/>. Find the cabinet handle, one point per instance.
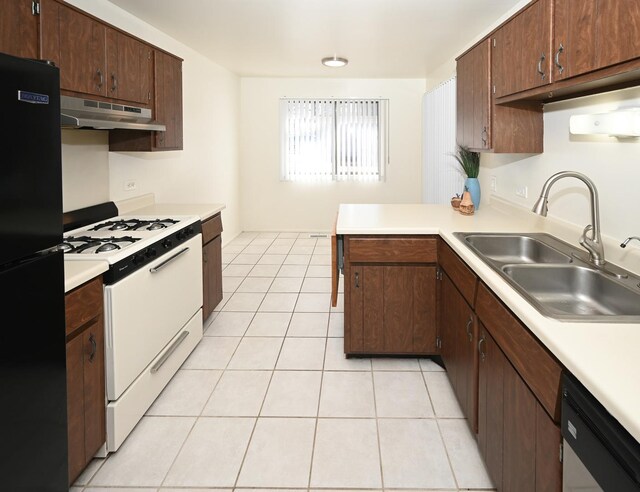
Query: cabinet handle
<point x="468" y="328"/>
<point x="484" y="136"/>
<point x="558" y="53"/>
<point x="540" y="62"/>
<point x="114" y="82"/>
<point x="94" y="347"/>
<point x="357" y="280"/>
<point x="101" y="77"/>
<point x="482" y="354"/>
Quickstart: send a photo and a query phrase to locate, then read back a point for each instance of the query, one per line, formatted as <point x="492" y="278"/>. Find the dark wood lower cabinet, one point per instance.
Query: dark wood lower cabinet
<point x="85" y="375"/>
<point x="518" y="440"/>
<point x="211" y="264"/>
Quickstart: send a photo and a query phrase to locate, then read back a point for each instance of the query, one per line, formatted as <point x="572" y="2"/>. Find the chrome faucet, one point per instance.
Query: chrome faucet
<point x="630" y="238"/>
<point x="592" y="244"/>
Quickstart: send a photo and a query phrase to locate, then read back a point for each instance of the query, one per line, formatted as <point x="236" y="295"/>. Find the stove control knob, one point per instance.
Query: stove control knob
<point x="182" y="235"/>
<point x="190" y="230"/>
<point x="137" y="259"/>
<point x="150" y="252"/>
<point x="166" y="244"/>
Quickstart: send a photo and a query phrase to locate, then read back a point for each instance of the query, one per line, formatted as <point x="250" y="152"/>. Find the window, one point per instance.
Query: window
<point x="333" y="139"/>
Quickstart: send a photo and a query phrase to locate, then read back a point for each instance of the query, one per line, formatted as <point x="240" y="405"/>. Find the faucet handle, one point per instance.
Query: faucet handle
<point x="583" y="236"/>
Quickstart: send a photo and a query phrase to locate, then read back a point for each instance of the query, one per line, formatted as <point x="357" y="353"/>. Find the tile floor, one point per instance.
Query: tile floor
<point x="267" y="399"/>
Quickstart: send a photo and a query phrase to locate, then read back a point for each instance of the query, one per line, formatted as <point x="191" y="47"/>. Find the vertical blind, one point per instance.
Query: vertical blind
<point x="333" y="139"/>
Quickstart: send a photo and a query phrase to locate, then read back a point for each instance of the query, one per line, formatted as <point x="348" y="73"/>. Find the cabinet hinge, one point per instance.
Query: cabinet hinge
<point x="149" y="96"/>
<point x="438" y="273"/>
<point x="35" y="7"/>
<point x="494" y="89"/>
<point x="494" y="42"/>
<point x="561" y="456"/>
<point x="438" y="342"/>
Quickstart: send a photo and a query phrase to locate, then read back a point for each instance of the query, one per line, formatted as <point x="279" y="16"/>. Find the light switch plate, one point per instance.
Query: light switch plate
<point x="494" y="184"/>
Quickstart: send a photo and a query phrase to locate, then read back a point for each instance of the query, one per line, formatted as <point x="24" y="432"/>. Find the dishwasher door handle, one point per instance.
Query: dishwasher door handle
<point x="159" y="267"/>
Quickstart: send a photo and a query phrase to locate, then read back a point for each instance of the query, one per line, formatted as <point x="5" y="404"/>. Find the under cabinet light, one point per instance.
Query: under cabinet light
<point x="621" y="123"/>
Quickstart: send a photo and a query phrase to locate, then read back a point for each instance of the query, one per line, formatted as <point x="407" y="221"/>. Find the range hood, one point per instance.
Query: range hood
<point x="76" y="112"/>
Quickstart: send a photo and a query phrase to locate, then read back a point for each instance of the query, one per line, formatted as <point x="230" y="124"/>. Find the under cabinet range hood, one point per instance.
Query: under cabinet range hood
<point x="99" y="115"/>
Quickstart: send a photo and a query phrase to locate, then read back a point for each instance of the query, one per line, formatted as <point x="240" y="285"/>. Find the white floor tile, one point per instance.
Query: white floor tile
<point x="117" y="489"/>
<point x="228" y="257"/>
<point x="268" y="235"/>
<point x="401" y="394"/>
<point x="269" y="325"/>
<point x="262" y="241"/>
<point x="264" y="271"/>
<point x="212" y="455"/>
<point x="238" y="394"/>
<point x="292" y="271"/>
<point x="276" y="302"/>
<point x="229" y="324"/>
<point x="293" y="394"/>
<point x="316" y="285"/>
<point x="233" y="248"/>
<point x="288" y="235"/>
<point x="442" y="396"/>
<point x="302" y="250"/>
<point x="413" y="455"/>
<point x="212" y="353"/>
<point x="255" y="249"/>
<point x="278" y="250"/>
<point x="247" y="302"/>
<point x="346" y="454"/>
<point x="305" y="241"/>
<point x="271" y="259"/>
<point x="256" y="353"/>
<point x="429" y="365"/>
<point x="245" y="258"/>
<point x="230" y="284"/>
<point x="320" y="259"/>
<point x="347" y="394"/>
<point x="286" y="284"/>
<point x="308" y="325"/>
<point x="395" y="364"/>
<point x="319" y="271"/>
<point x="313" y="303"/>
<point x="255" y="285"/>
<point x="336" y="325"/>
<point x="339" y="306"/>
<point x="302" y="354"/>
<point x="146" y="455"/>
<point x="464" y="454"/>
<point x="335" y="359"/>
<point x="279" y="454"/>
<point x="88" y="473"/>
<point x="236" y="270"/>
<point x="186" y="394"/>
<point x="225" y="297"/>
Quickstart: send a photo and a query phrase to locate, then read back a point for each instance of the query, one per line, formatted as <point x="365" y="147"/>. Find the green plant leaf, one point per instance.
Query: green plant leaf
<point x="469" y="161"/>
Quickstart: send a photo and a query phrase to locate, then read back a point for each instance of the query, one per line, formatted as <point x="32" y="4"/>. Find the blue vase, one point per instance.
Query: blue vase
<point x="473" y="187"/>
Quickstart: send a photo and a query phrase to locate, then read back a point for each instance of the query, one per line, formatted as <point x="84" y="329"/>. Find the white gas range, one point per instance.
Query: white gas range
<point x="153" y="305"/>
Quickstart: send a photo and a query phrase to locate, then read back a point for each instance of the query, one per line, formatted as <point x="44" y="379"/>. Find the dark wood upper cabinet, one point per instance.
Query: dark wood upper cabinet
<point x="617" y="31"/>
<point x="129" y="68"/>
<point x="19" y="28"/>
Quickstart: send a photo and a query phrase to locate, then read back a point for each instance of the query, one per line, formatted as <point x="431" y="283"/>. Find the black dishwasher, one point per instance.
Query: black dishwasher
<point x="599" y="454"/>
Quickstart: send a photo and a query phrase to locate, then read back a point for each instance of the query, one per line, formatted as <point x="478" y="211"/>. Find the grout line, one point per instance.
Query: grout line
<point x="375" y="408"/>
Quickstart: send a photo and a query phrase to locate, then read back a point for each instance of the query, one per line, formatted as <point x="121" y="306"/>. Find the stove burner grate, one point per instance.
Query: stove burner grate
<point x="134" y="224"/>
<point x="82" y="244"/>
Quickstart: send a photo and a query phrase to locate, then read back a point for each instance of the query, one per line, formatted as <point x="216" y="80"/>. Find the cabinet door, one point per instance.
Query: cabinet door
<point x="211" y="275"/>
<point x="75" y="407"/>
<point x="128" y="68"/>
<point x="94" y="392"/>
<point x="574" y="37"/>
<point x="617" y="31"/>
<point x="82" y="53"/>
<point x="522" y="54"/>
<point x="18" y="29"/>
<point x="168" y="88"/>
<point x="473" y="102"/>
<point x="448" y="322"/>
<point x="490" y="405"/>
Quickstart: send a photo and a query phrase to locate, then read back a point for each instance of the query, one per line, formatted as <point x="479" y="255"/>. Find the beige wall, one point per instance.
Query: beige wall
<point x="271" y="204"/>
<point x="207" y="170"/>
<point x="614" y="165"/>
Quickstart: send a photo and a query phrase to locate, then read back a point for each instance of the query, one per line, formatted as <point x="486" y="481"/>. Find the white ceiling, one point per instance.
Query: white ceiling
<point x="287" y="38"/>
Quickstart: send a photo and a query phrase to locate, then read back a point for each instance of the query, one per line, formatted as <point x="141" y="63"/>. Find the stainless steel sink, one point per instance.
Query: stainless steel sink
<point x="506" y="249"/>
<point x="575" y="292"/>
<point x="557" y="279"/>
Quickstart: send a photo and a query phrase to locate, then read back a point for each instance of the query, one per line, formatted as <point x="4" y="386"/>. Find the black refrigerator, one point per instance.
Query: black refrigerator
<point x="33" y="406"/>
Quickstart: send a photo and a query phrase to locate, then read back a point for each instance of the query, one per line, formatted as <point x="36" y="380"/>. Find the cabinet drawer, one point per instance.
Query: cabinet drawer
<point x="539" y="369"/>
<point x="211" y="228"/>
<point x="461" y="275"/>
<point x="83" y="304"/>
<point x="393" y="250"/>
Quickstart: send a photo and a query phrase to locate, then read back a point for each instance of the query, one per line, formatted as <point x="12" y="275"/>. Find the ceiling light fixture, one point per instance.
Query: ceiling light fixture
<point x="334" y="61"/>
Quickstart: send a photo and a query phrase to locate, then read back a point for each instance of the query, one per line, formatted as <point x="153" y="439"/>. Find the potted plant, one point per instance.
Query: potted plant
<point x="470" y="163"/>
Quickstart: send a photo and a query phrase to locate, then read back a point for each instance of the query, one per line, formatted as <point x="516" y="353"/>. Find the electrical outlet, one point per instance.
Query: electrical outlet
<point x="494" y="184"/>
<point x="130" y="185"/>
<point x="522" y="191"/>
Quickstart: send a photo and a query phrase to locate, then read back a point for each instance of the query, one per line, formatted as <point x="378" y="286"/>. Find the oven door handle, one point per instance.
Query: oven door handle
<point x="169" y="351"/>
<point x="160" y="266"/>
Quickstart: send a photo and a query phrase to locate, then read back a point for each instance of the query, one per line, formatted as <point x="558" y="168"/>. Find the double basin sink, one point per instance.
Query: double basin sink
<point x="557" y="279"/>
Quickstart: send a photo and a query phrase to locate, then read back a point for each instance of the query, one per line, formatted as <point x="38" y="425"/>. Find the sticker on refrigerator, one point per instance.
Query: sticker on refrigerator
<point x="33" y="97"/>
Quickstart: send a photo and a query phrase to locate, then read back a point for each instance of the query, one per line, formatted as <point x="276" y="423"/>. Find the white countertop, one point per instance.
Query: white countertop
<point x="146" y="205"/>
<point x="601" y="355"/>
<point x="77" y="273"/>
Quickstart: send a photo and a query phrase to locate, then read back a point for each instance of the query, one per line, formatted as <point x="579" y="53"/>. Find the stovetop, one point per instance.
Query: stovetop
<point x="120" y="237"/>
